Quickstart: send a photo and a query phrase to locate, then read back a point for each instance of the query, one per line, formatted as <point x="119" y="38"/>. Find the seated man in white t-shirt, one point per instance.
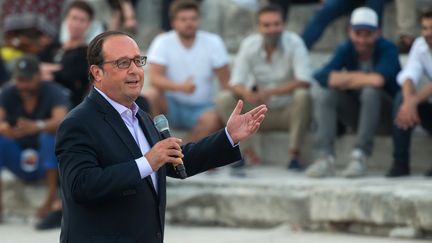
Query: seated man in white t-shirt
<point x="182" y="67"/>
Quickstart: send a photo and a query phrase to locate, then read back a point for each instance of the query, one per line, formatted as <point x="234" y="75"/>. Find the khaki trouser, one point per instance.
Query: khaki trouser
<point x="295" y="117"/>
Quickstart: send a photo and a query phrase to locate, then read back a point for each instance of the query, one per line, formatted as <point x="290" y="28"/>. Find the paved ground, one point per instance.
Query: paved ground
<point x="19" y="233"/>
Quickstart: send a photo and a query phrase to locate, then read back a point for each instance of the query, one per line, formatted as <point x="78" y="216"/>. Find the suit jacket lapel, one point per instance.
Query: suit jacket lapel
<point x="113" y="118"/>
<point x="153" y="137"/>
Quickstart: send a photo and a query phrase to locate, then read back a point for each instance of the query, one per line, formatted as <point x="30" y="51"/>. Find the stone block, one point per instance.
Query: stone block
<point x="269" y="197"/>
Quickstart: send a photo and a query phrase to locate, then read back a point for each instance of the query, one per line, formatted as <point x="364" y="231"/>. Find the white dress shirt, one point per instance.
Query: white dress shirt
<point x="419" y="62"/>
<point x="290" y="61"/>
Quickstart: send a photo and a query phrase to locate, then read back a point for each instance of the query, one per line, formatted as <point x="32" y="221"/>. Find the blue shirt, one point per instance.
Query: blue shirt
<point x="385" y="61"/>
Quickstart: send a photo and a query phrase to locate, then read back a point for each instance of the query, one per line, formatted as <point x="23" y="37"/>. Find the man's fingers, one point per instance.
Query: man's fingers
<point x="260" y="118"/>
<point x="174" y="160"/>
<point x="256" y="122"/>
<point x="174" y="153"/>
<point x="172" y="143"/>
<point x="238" y="108"/>
<point x="257" y="111"/>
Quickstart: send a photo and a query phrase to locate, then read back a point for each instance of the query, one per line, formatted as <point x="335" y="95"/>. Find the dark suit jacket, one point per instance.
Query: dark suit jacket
<point x="104" y="197"/>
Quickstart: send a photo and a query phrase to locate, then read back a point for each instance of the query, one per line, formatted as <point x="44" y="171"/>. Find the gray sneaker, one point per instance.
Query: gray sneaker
<point x="357" y="165"/>
<point x="322" y="167"/>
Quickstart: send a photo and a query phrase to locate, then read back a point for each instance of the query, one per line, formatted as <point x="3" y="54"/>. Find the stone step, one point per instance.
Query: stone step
<point x="269" y="196"/>
<point x="272" y="148"/>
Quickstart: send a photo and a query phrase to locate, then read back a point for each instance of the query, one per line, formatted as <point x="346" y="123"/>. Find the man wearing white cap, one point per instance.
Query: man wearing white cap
<point x="356" y="88"/>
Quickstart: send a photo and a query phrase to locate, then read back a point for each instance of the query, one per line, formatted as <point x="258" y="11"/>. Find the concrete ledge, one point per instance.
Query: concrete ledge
<point x="269" y="196"/>
<point x="20" y="199"/>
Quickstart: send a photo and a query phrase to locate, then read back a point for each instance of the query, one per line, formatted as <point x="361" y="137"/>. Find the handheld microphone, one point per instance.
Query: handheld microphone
<point x="162" y="126"/>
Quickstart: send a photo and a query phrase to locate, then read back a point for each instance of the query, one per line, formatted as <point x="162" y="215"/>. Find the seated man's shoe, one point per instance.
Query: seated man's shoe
<point x="294" y="164"/>
<point x="322" y="167"/>
<point x="51" y="221"/>
<point x="429" y="173"/>
<point x="398" y="171"/>
<point x="356" y="166"/>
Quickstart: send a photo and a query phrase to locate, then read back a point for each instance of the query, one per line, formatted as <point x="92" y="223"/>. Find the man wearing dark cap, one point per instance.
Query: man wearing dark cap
<point x="356" y="87"/>
<point x="30" y="112"/>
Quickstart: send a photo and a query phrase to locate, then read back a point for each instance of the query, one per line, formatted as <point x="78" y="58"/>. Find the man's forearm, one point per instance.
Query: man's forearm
<point x="424" y="93"/>
<point x="338" y="79"/>
<point x="239" y="90"/>
<point x="223" y="75"/>
<point x="361" y="79"/>
<point x="50" y="125"/>
<point x="162" y="83"/>
<point x="408" y="89"/>
<point x="288" y="87"/>
<point x="355" y="80"/>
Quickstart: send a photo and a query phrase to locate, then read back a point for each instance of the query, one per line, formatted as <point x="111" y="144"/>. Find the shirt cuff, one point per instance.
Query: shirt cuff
<point x="230" y="139"/>
<point x="144" y="167"/>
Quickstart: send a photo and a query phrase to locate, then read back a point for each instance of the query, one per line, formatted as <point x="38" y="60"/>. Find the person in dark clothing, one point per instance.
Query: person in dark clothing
<point x="331" y="10"/>
<point x="4" y="76"/>
<point x="30" y="111"/>
<point x="357" y="86"/>
<point x="286" y="4"/>
<point x="65" y="63"/>
<point x="412" y="106"/>
<point x="112" y="161"/>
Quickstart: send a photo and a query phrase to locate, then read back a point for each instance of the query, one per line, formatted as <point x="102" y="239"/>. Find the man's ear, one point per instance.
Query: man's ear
<point x="97" y="72"/>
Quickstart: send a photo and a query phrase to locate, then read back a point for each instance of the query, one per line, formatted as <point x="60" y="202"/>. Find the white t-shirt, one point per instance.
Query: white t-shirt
<point x="207" y="53"/>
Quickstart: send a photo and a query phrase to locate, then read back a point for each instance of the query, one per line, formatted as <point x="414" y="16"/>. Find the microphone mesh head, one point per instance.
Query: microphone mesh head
<point x="161" y="123"/>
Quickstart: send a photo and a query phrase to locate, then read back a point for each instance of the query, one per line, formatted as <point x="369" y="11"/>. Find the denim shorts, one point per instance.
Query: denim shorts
<point x="12" y="157"/>
<point x="185" y="116"/>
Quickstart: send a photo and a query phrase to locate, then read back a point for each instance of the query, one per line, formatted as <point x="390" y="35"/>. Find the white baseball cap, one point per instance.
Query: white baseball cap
<point x="364" y="18"/>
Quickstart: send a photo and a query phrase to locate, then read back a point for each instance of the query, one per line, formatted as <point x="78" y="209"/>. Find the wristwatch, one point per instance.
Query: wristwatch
<point x="40" y="125"/>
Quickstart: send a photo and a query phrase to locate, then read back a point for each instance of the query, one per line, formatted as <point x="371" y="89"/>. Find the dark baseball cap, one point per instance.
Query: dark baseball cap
<point x="26" y="67"/>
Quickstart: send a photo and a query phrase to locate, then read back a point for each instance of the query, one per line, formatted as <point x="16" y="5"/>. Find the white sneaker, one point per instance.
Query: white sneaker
<point x="322" y="167"/>
<point x="357" y="165"/>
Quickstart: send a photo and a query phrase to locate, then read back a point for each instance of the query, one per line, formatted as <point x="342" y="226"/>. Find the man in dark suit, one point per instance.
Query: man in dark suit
<point x="113" y="163"/>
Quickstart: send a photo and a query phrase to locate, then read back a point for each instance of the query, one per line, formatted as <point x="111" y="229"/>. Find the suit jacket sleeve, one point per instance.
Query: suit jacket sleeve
<point x="81" y="174"/>
<point x="210" y="152"/>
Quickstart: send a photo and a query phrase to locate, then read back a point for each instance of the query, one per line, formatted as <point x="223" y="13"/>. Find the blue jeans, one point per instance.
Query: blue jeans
<point x="331" y="10"/>
<point x="184" y="116"/>
<point x="402" y="138"/>
<point x="11" y="152"/>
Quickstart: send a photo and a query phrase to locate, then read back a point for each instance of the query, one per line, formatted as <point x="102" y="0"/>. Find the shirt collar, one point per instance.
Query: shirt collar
<point x="117" y="106"/>
<point x="279" y="48"/>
